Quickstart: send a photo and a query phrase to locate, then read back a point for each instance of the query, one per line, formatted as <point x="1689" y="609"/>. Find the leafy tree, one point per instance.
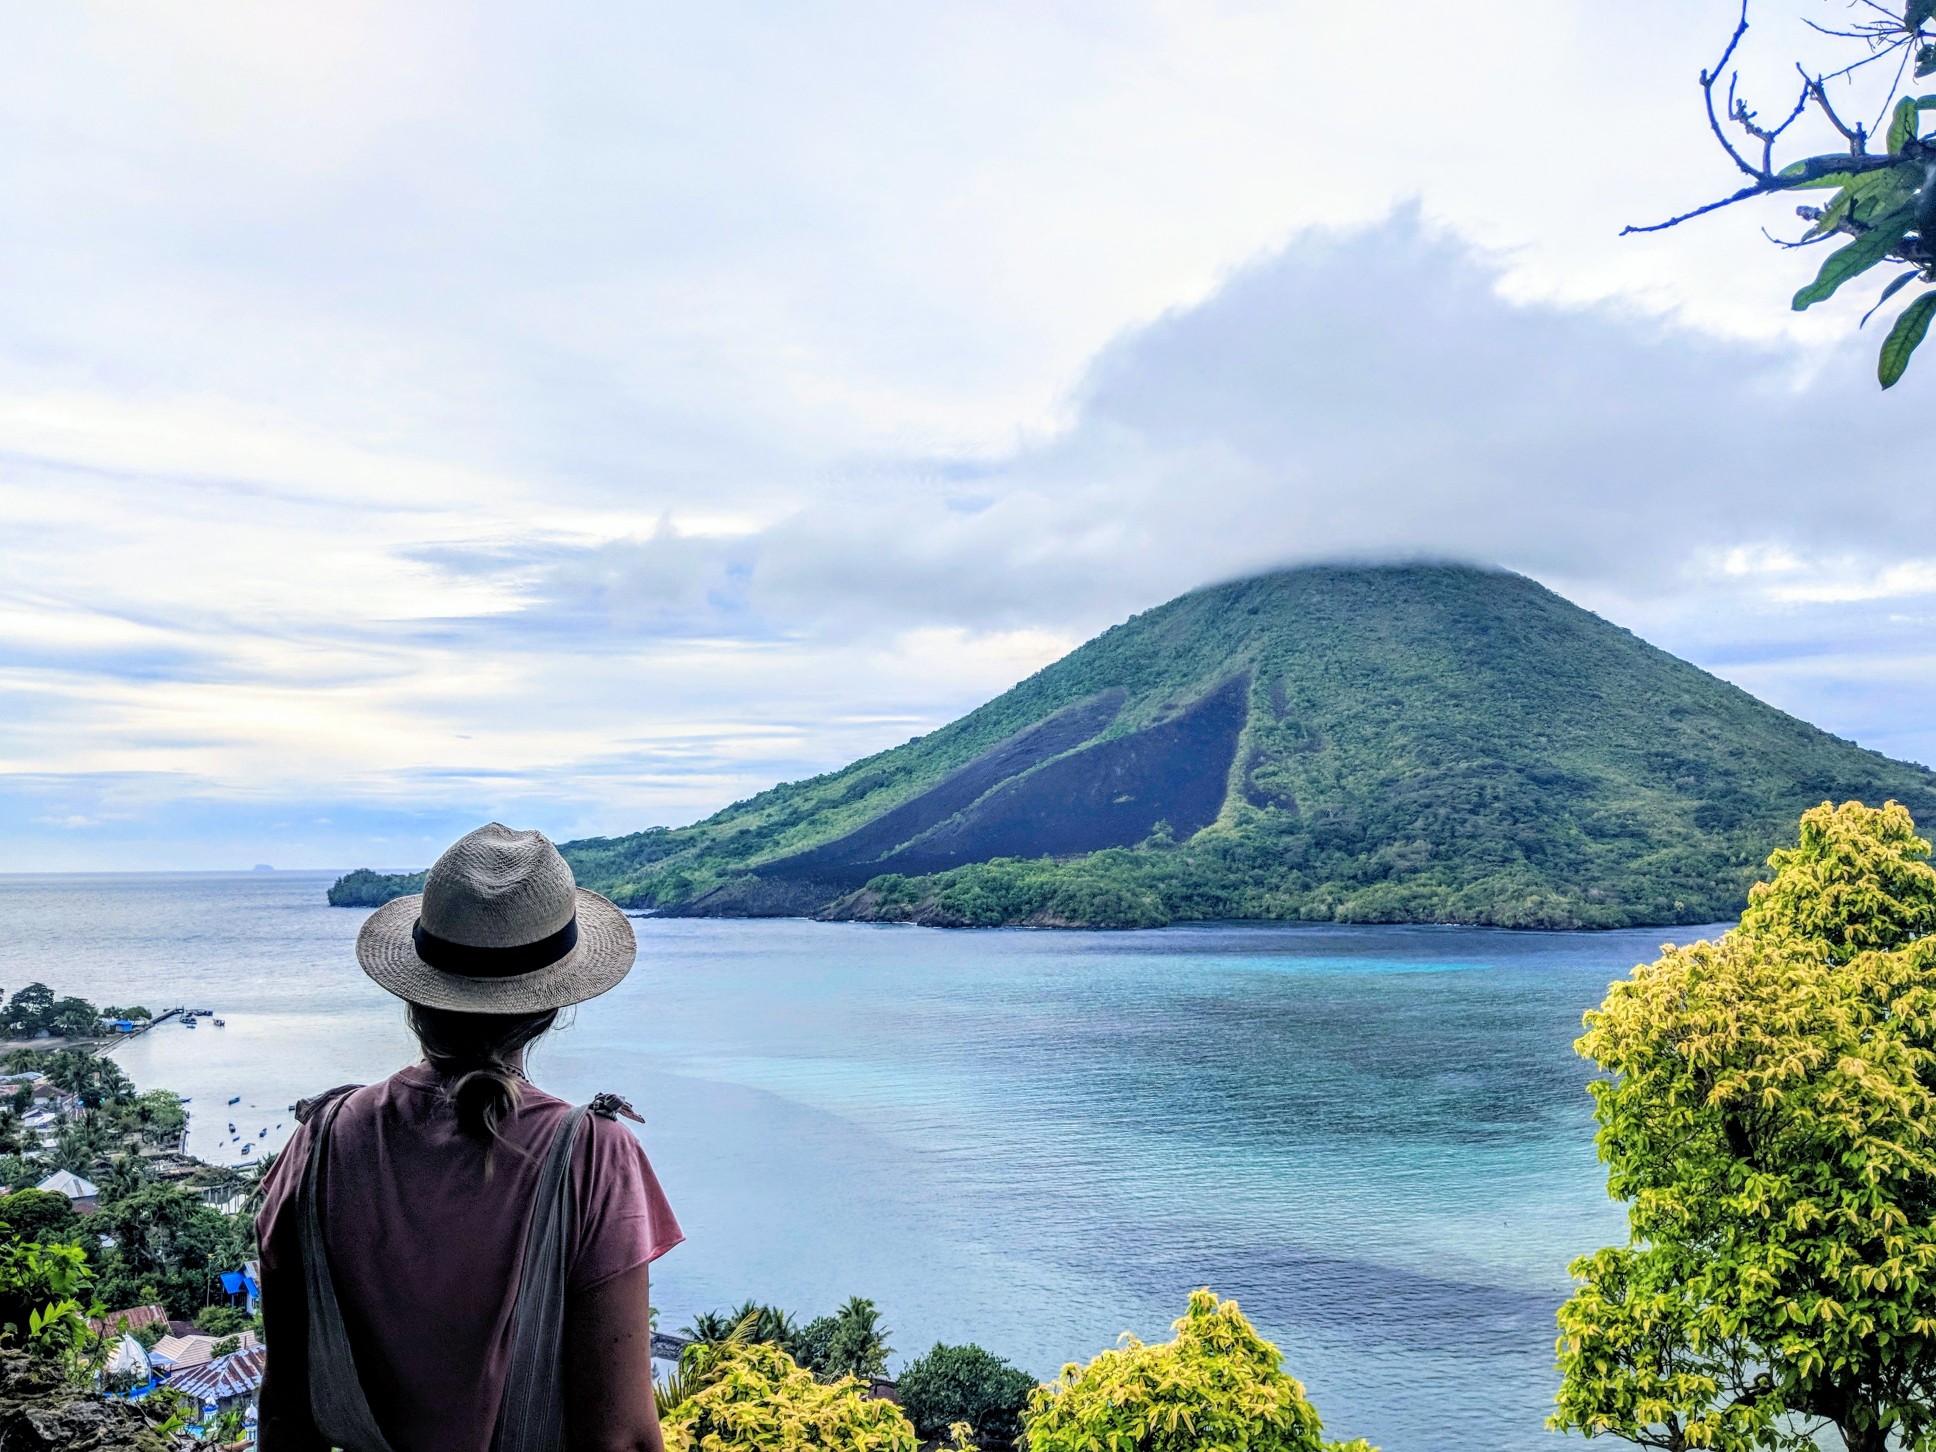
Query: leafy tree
<point x="255" y="1188"/>
<point x="27" y="1011"/>
<point x="95" y="1079"/>
<point x="965" y="1384"/>
<point x="40" y="1290"/>
<point x="124" y="1176"/>
<point x="39" y="1215"/>
<point x="73" y="1018"/>
<point x="855" y="1343"/>
<point x="168" y="1248"/>
<point x="1770" y="1118"/>
<point x="759" y="1399"/>
<point x="1883" y="209"/>
<point x="157" y="1116"/>
<point x="1218" y="1385"/>
<point x="225" y="1347"/>
<point x="222" y="1321"/>
<point x="1857" y="880"/>
<point x="815" y="1343"/>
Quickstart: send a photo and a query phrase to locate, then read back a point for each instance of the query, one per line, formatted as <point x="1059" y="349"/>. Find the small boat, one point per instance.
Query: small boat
<point x="248" y="1146"/>
<point x="189" y="1022"/>
<point x="231" y="1127"/>
<point x="218" y="1023"/>
<point x="235" y="1099"/>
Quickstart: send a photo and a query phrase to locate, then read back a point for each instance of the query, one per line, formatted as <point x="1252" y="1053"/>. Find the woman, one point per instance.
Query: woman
<point x="453" y="1260"/>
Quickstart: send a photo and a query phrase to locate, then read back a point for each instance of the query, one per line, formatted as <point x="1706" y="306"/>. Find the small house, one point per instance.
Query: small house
<point x="242" y="1284"/>
<point x="175" y="1354"/>
<point x="226" y="1384"/>
<point x="86" y="1198"/>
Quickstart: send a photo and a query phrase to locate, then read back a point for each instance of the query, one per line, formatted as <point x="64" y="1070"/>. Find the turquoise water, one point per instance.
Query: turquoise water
<point x="1376" y="1139"/>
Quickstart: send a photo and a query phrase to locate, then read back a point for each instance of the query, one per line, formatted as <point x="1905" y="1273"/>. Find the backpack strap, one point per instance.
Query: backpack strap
<point x="531" y="1417"/>
<point x="336" y="1402"/>
<point x="306" y="1108"/>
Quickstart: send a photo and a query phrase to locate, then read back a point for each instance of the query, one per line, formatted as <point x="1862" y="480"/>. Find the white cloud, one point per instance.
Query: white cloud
<point x="595" y="414"/>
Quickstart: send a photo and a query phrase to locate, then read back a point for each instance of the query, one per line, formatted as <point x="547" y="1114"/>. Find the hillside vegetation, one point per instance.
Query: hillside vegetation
<point x="1420" y="743"/>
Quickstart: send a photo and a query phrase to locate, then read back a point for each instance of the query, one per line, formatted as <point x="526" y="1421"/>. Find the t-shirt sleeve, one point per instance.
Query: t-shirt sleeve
<point x="624" y="1220"/>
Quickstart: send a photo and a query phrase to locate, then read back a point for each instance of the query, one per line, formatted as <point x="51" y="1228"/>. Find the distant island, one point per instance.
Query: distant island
<point x="1393" y="744"/>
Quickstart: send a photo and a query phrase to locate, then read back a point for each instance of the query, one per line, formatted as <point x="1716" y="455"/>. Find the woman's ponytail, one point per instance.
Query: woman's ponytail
<point x="477" y="1056"/>
<point x="483" y="1099"/>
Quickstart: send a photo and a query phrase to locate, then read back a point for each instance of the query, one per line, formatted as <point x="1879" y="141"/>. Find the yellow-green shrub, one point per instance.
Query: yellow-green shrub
<point x="1219" y="1387"/>
<point x="760" y="1399"/>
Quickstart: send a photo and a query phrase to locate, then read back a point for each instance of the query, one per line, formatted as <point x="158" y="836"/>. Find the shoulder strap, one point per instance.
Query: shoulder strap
<point x="532" y="1416"/>
<point x="336" y="1402"/>
<point x="306" y="1108"/>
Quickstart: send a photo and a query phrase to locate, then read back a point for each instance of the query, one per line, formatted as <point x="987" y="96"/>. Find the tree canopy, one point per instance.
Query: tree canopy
<point x="965" y="1384"/>
<point x="1218" y="1387"/>
<point x="1770" y="1120"/>
<point x="755" y="1396"/>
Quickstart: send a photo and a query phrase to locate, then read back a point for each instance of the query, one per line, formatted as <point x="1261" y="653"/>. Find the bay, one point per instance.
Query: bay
<point x="1377" y="1139"/>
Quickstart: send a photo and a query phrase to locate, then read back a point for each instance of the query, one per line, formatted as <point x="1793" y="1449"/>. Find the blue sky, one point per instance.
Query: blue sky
<point x="589" y="417"/>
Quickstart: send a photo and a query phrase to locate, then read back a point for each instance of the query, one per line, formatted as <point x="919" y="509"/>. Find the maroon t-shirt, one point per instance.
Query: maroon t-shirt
<point x="425" y="1251"/>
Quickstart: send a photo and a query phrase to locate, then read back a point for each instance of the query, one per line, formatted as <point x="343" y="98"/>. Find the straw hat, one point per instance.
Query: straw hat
<point x="500" y="927"/>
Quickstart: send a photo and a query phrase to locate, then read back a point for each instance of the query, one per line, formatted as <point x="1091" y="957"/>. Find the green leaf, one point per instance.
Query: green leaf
<point x="1888" y="292"/>
<point x="1859" y="256"/>
<point x="1903" y="339"/>
<point x="1915" y="12"/>
<point x="1902" y="125"/>
<point x="1925" y="61"/>
<point x="1827" y="179"/>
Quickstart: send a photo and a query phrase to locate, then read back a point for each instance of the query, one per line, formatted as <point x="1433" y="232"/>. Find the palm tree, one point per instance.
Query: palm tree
<point x="858" y="1345"/>
<point x="710" y="1341"/>
<point x="767" y="1324"/>
<point x="254" y="1185"/>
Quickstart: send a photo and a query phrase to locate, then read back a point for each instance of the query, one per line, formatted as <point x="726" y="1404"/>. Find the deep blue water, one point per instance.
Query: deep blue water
<point x="1377" y="1139"/>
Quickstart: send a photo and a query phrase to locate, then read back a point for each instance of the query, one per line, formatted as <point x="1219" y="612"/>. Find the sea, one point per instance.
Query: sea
<point x="1378" y="1140"/>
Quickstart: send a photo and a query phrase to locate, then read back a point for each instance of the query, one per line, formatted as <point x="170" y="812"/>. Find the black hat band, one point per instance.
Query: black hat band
<point x="449" y="957"/>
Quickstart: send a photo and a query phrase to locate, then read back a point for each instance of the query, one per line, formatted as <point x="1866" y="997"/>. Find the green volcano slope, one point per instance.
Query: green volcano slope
<point x="1418" y="743"/>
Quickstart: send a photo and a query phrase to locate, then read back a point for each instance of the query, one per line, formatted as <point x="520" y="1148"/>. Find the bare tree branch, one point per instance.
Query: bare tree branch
<point x="1757" y="190"/>
<point x="1708" y="78"/>
<point x="1858" y="139"/>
